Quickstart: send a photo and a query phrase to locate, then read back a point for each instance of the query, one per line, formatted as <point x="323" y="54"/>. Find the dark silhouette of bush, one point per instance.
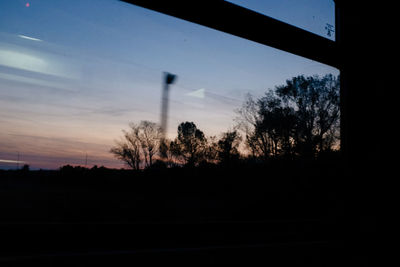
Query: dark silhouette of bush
<point x="25" y="168"/>
<point x="228" y="145"/>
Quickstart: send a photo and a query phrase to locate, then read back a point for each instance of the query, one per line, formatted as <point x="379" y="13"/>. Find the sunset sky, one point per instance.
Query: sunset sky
<point x="73" y="74"/>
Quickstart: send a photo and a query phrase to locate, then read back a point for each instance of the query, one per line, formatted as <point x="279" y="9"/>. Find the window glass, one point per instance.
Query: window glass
<point x="72" y="76"/>
<point x="316" y="16"/>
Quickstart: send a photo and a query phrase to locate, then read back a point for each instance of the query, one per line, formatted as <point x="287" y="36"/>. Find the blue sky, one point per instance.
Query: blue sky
<point x="73" y="75"/>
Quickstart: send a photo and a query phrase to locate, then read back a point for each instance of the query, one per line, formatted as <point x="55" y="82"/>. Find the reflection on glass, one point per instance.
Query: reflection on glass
<point x="73" y="76"/>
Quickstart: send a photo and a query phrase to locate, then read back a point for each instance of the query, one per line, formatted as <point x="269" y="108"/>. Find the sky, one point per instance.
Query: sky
<point x="72" y="76"/>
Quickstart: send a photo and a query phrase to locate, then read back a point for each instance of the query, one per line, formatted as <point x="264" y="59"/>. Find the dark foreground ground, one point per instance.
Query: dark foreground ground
<point x="302" y="213"/>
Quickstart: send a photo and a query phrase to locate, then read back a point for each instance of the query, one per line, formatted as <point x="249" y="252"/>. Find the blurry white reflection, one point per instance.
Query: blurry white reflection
<point x="11" y="161"/>
<point x="21" y="58"/>
<point x="30" y="38"/>
<point x="23" y="61"/>
<point x="198" y="93"/>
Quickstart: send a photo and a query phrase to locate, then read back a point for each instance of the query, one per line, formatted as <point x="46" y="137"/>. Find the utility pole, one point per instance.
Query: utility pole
<point x="18" y="160"/>
<point x="168" y="79"/>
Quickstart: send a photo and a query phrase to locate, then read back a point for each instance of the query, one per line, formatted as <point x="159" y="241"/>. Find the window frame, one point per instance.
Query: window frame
<point x="248" y="24"/>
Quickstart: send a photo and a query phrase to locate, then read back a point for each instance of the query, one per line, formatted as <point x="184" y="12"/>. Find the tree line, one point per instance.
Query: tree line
<point x="299" y="119"/>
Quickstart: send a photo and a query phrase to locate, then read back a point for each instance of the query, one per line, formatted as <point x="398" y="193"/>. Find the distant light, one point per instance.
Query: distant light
<point x="27" y="5"/>
<point x="11" y="161"/>
<point x="30" y="38"/>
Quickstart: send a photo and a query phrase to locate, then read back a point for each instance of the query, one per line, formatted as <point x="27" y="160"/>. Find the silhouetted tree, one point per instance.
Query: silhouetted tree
<point x="247" y="121"/>
<point x="150" y="135"/>
<point x="128" y="150"/>
<point x="169" y="152"/>
<point x="211" y="150"/>
<point x="300" y="117"/>
<point x="316" y="103"/>
<point x="190" y="143"/>
<point x="277" y="122"/>
<point x="139" y="145"/>
<point x="228" y="147"/>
